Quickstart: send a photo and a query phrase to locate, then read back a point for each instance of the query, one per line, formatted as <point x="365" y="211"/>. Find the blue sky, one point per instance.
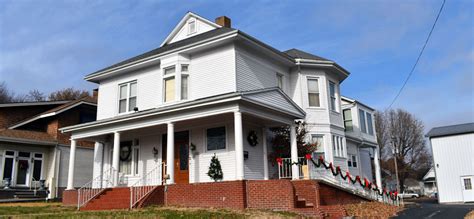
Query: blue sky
<point x="50" y="45"/>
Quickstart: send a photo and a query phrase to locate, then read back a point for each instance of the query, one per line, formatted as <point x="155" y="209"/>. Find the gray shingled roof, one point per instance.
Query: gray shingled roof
<point x="451" y="130"/>
<point x="171" y="46"/>
<point x="296" y="53"/>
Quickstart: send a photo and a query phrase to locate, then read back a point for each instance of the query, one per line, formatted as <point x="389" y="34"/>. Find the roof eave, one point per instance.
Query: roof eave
<point x="323" y="63"/>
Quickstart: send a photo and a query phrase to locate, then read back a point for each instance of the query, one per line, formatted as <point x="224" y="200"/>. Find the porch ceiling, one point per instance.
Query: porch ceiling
<point x="265" y="104"/>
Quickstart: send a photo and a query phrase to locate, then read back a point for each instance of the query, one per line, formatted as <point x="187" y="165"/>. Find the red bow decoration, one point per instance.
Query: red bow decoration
<point x="367" y="183"/>
<point x="279" y="161"/>
<point x="308" y="156"/>
<point x="321" y="158"/>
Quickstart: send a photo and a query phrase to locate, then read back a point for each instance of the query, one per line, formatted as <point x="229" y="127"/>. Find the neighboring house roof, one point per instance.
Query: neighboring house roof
<point x="451" y="130"/>
<point x="430" y="175"/>
<point x="57" y="110"/>
<point x="298" y="54"/>
<point x="23" y="136"/>
<point x="351" y="100"/>
<point x="272" y="98"/>
<point x="33" y="103"/>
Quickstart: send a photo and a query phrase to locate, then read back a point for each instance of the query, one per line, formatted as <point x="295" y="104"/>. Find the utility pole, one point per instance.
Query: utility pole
<point x="395" y="157"/>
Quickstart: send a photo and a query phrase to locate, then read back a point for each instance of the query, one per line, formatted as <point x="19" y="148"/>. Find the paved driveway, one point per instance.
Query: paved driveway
<point x="431" y="209"/>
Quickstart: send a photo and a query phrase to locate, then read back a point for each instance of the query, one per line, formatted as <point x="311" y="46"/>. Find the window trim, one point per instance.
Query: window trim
<point x="319" y="91"/>
<point x="166" y="77"/>
<point x="128" y="96"/>
<point x="226" y="139"/>
<point x="184" y="74"/>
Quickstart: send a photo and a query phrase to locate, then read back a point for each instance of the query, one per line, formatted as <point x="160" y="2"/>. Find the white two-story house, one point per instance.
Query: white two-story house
<point x="203" y="92"/>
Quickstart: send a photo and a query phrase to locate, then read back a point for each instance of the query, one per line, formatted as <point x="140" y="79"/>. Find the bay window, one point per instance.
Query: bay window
<point x="169" y="82"/>
<point x="338" y="146"/>
<point x="363" y="127"/>
<point x="366" y="123"/>
<point x="332" y="94"/>
<point x="347" y="115"/>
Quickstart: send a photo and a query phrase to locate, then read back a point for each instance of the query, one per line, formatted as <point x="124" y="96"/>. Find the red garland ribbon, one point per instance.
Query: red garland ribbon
<point x="308" y="156"/>
<point x="279" y="160"/>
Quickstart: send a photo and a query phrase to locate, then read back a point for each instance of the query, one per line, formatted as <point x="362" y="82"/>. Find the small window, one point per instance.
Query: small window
<point x="216" y="138"/>
<point x="363" y="127"/>
<point x="280" y="81"/>
<point x="169" y="89"/>
<point x="24" y="154"/>
<point x="318" y="139"/>
<point x="184" y="87"/>
<point x="313" y="93"/>
<point x="467" y="184"/>
<point x="184" y="68"/>
<point x="38" y="155"/>
<point x="354" y="160"/>
<point x="10" y="153"/>
<point x="170" y="70"/>
<point x="370" y="127"/>
<point x="338" y="146"/>
<point x="332" y="92"/>
<point x="348" y="120"/>
<point x="191" y="27"/>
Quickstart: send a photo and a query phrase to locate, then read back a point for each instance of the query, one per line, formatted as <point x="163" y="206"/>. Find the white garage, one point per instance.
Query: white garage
<point x="453" y="158"/>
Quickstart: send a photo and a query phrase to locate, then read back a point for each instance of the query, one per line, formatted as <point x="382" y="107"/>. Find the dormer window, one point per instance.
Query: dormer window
<point x="192" y="26"/>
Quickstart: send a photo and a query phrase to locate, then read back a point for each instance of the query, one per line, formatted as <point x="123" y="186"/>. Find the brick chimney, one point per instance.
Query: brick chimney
<point x="223" y="21"/>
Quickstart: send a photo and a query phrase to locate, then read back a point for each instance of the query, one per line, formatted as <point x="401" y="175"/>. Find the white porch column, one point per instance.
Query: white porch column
<point x="170" y="153"/>
<point x="378" y="178"/>
<point x="265" y="153"/>
<point x="72" y="159"/>
<point x="295" y="170"/>
<point x="115" y="159"/>
<point x="97" y="168"/>
<point x="239" y="146"/>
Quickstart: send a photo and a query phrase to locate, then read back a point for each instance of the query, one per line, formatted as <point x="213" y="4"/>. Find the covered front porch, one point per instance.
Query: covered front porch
<point x="174" y="144"/>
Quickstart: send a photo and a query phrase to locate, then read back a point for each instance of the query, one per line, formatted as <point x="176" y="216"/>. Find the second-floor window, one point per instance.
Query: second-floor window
<point x="169" y="83"/>
<point x="313" y="92"/>
<point x="184" y="82"/>
<point x="347" y="120"/>
<point x="127" y="97"/>
<point x="280" y="81"/>
<point x="366" y="123"/>
<point x="332" y="93"/>
<point x="352" y="160"/>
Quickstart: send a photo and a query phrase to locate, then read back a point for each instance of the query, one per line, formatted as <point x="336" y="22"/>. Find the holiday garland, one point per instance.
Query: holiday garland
<point x="366" y="184"/>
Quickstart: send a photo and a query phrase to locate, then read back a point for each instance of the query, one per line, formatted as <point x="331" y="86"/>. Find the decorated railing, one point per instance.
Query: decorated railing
<point x="146" y="184"/>
<point x="321" y="170"/>
<point x="94" y="187"/>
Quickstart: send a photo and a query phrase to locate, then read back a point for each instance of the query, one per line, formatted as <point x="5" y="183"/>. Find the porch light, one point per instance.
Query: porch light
<point x="246" y="155"/>
<point x="155" y="151"/>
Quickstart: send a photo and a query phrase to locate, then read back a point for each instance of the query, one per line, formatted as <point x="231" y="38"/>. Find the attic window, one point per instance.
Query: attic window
<point x="192" y="26"/>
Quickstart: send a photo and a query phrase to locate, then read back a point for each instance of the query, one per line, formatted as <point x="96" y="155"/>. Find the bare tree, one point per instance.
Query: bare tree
<point x="68" y="94"/>
<point x="402" y="133"/>
<point x="7" y="96"/>
<point x="35" y="95"/>
<point x="382" y="137"/>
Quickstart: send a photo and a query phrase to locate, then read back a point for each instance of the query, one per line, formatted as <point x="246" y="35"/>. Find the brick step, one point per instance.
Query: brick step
<point x="302" y="203"/>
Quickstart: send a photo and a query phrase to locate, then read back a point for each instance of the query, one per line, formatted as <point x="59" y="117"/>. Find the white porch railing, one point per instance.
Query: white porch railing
<point x="146" y="184"/>
<point x="320" y="173"/>
<point x="94" y="187"/>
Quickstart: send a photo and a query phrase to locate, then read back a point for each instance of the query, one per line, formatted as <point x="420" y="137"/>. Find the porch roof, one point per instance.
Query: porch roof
<point x="273" y="99"/>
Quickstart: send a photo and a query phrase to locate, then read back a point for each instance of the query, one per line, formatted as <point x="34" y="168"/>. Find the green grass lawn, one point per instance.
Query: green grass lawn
<point x="55" y="210"/>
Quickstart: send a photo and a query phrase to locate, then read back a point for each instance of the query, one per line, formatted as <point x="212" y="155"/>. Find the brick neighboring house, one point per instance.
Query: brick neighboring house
<point x="32" y="148"/>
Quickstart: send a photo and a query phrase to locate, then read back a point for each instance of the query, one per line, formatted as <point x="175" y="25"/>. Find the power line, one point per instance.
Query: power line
<point x="419" y="56"/>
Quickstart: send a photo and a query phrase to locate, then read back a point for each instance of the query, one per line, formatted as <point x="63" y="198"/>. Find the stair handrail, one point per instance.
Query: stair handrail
<point x="94" y="187"/>
<point x="146" y="184"/>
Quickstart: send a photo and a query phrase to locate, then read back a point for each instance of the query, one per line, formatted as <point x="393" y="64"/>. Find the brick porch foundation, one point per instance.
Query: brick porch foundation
<point x="308" y="197"/>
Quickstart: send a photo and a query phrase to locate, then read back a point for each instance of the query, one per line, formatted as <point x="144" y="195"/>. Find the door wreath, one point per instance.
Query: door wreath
<point x="252" y="138"/>
<point x="125" y="152"/>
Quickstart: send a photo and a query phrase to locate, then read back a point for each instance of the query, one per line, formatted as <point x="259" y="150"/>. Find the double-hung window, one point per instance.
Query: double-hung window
<point x="127" y="96"/>
<point x="366" y="123"/>
<point x="216" y="138"/>
<point x="184" y="82"/>
<point x="191" y="26"/>
<point x="352" y="160"/>
<point x="313" y="92"/>
<point x="169" y="78"/>
<point x="332" y="93"/>
<point x="363" y="127"/>
<point x="347" y="120"/>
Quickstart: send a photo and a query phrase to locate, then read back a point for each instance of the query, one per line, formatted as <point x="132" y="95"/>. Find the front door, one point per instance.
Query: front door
<point x="467" y="183"/>
<point x="22" y="167"/>
<point x="181" y="156"/>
